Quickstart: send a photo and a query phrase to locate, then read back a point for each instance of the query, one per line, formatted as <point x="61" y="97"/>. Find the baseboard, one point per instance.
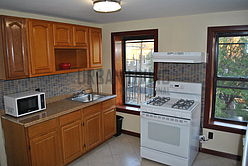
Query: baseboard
<point x="131" y="133"/>
<point x="221" y="154"/>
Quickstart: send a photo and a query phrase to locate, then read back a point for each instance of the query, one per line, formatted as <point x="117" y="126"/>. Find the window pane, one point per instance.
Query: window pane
<point x="139" y="55"/>
<point x="237" y="84"/>
<point x="233" y="56"/>
<point x="138" y="88"/>
<point x="231" y="104"/>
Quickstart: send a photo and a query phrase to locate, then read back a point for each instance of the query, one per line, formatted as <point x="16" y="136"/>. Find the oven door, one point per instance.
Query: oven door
<point x="165" y="134"/>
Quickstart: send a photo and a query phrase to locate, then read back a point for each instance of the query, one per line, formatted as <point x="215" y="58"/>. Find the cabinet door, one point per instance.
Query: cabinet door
<point x="41" y="47"/>
<point x="93" y="130"/>
<point x="16" y="47"/>
<point x="109" y="123"/>
<point x="95" y="36"/>
<point x="44" y="150"/>
<point x="62" y="34"/>
<point x="80" y="34"/>
<point x="71" y="141"/>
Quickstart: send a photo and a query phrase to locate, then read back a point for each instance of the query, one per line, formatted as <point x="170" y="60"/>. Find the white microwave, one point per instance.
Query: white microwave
<point x="24" y="103"/>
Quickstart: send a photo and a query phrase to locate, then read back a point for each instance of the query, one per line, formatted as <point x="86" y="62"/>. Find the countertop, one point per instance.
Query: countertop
<point x="54" y="109"/>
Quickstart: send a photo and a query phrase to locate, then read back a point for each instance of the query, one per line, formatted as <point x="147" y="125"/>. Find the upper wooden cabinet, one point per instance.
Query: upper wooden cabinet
<point x="80" y="36"/>
<point x="13" y="48"/>
<point x="63" y="34"/>
<point x="95" y="38"/>
<point x="30" y="47"/>
<point x="70" y="35"/>
<point x="41" y="47"/>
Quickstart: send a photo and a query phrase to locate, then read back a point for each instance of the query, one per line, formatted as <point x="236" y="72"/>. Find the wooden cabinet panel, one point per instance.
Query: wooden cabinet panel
<point x="15" y="37"/>
<point x="95" y="36"/>
<point x="41" y="49"/>
<point x="42" y="128"/>
<point x="80" y="36"/>
<point x="71" y="141"/>
<point x="109" y="104"/>
<point x="69" y="118"/>
<point x="62" y="34"/>
<point x="91" y="110"/>
<point x="92" y="126"/>
<point x="109" y="123"/>
<point x="44" y="150"/>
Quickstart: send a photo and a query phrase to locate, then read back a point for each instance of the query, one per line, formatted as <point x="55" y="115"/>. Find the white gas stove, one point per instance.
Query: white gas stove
<point x="170" y="123"/>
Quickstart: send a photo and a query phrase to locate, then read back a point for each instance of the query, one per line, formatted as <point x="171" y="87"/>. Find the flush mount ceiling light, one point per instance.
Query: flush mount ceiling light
<point x="106" y="6"/>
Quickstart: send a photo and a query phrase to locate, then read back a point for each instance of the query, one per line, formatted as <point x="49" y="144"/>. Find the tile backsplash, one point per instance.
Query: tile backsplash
<point x="182" y="72"/>
<point x="52" y="85"/>
<point x="185" y="73"/>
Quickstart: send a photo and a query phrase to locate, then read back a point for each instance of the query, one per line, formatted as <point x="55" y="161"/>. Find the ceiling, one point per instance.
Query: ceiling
<point x="131" y="9"/>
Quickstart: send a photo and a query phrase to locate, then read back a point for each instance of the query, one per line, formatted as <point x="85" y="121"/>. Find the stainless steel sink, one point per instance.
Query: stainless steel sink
<point x="85" y="98"/>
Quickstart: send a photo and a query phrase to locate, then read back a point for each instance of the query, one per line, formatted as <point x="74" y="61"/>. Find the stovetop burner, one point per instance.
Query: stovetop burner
<point x="158" y="101"/>
<point x="183" y="104"/>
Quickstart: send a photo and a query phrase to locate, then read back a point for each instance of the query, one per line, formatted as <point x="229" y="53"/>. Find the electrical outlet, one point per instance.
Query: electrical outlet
<point x="37" y="89"/>
<point x="210" y="135"/>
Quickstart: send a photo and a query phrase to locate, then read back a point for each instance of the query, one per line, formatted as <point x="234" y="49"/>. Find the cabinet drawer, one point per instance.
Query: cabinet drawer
<point x="109" y="104"/>
<point x="68" y="118"/>
<point x="42" y="128"/>
<point x="92" y="109"/>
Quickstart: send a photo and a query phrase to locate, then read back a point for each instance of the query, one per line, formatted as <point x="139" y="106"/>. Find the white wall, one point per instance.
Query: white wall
<point x="184" y="33"/>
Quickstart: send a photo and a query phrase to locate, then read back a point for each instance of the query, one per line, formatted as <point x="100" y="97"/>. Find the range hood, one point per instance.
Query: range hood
<point x="179" y="57"/>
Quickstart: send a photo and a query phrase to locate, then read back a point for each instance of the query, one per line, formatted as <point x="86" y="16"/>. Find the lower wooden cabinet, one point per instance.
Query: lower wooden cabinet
<point x="61" y="140"/>
<point x="92" y="126"/>
<point x="44" y="150"/>
<point x="71" y="140"/>
<point x="109" y="123"/>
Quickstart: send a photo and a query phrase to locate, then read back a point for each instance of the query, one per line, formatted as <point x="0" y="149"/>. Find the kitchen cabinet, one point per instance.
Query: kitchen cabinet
<point x="41" y="47"/>
<point x="70" y="35"/>
<point x="13" y="48"/>
<point x="71" y="136"/>
<point x="108" y="119"/>
<point x="31" y="47"/>
<point x="44" y="144"/>
<point x="95" y="38"/>
<point x="60" y="140"/>
<point x="92" y="126"/>
<point x="63" y="34"/>
<point x="80" y="36"/>
<point x="44" y="150"/>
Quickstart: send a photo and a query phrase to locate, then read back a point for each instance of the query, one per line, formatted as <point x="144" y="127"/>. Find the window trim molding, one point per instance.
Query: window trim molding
<point x="209" y="121"/>
<point x="119" y="36"/>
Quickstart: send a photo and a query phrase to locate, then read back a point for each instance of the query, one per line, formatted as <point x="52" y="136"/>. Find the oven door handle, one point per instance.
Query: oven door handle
<point x="166" y="120"/>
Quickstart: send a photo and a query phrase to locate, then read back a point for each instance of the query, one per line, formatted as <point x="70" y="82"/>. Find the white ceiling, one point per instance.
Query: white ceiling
<point x="131" y="9"/>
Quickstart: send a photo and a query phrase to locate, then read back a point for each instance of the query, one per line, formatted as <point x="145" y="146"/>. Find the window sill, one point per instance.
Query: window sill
<point x="128" y="109"/>
<point x="227" y="127"/>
